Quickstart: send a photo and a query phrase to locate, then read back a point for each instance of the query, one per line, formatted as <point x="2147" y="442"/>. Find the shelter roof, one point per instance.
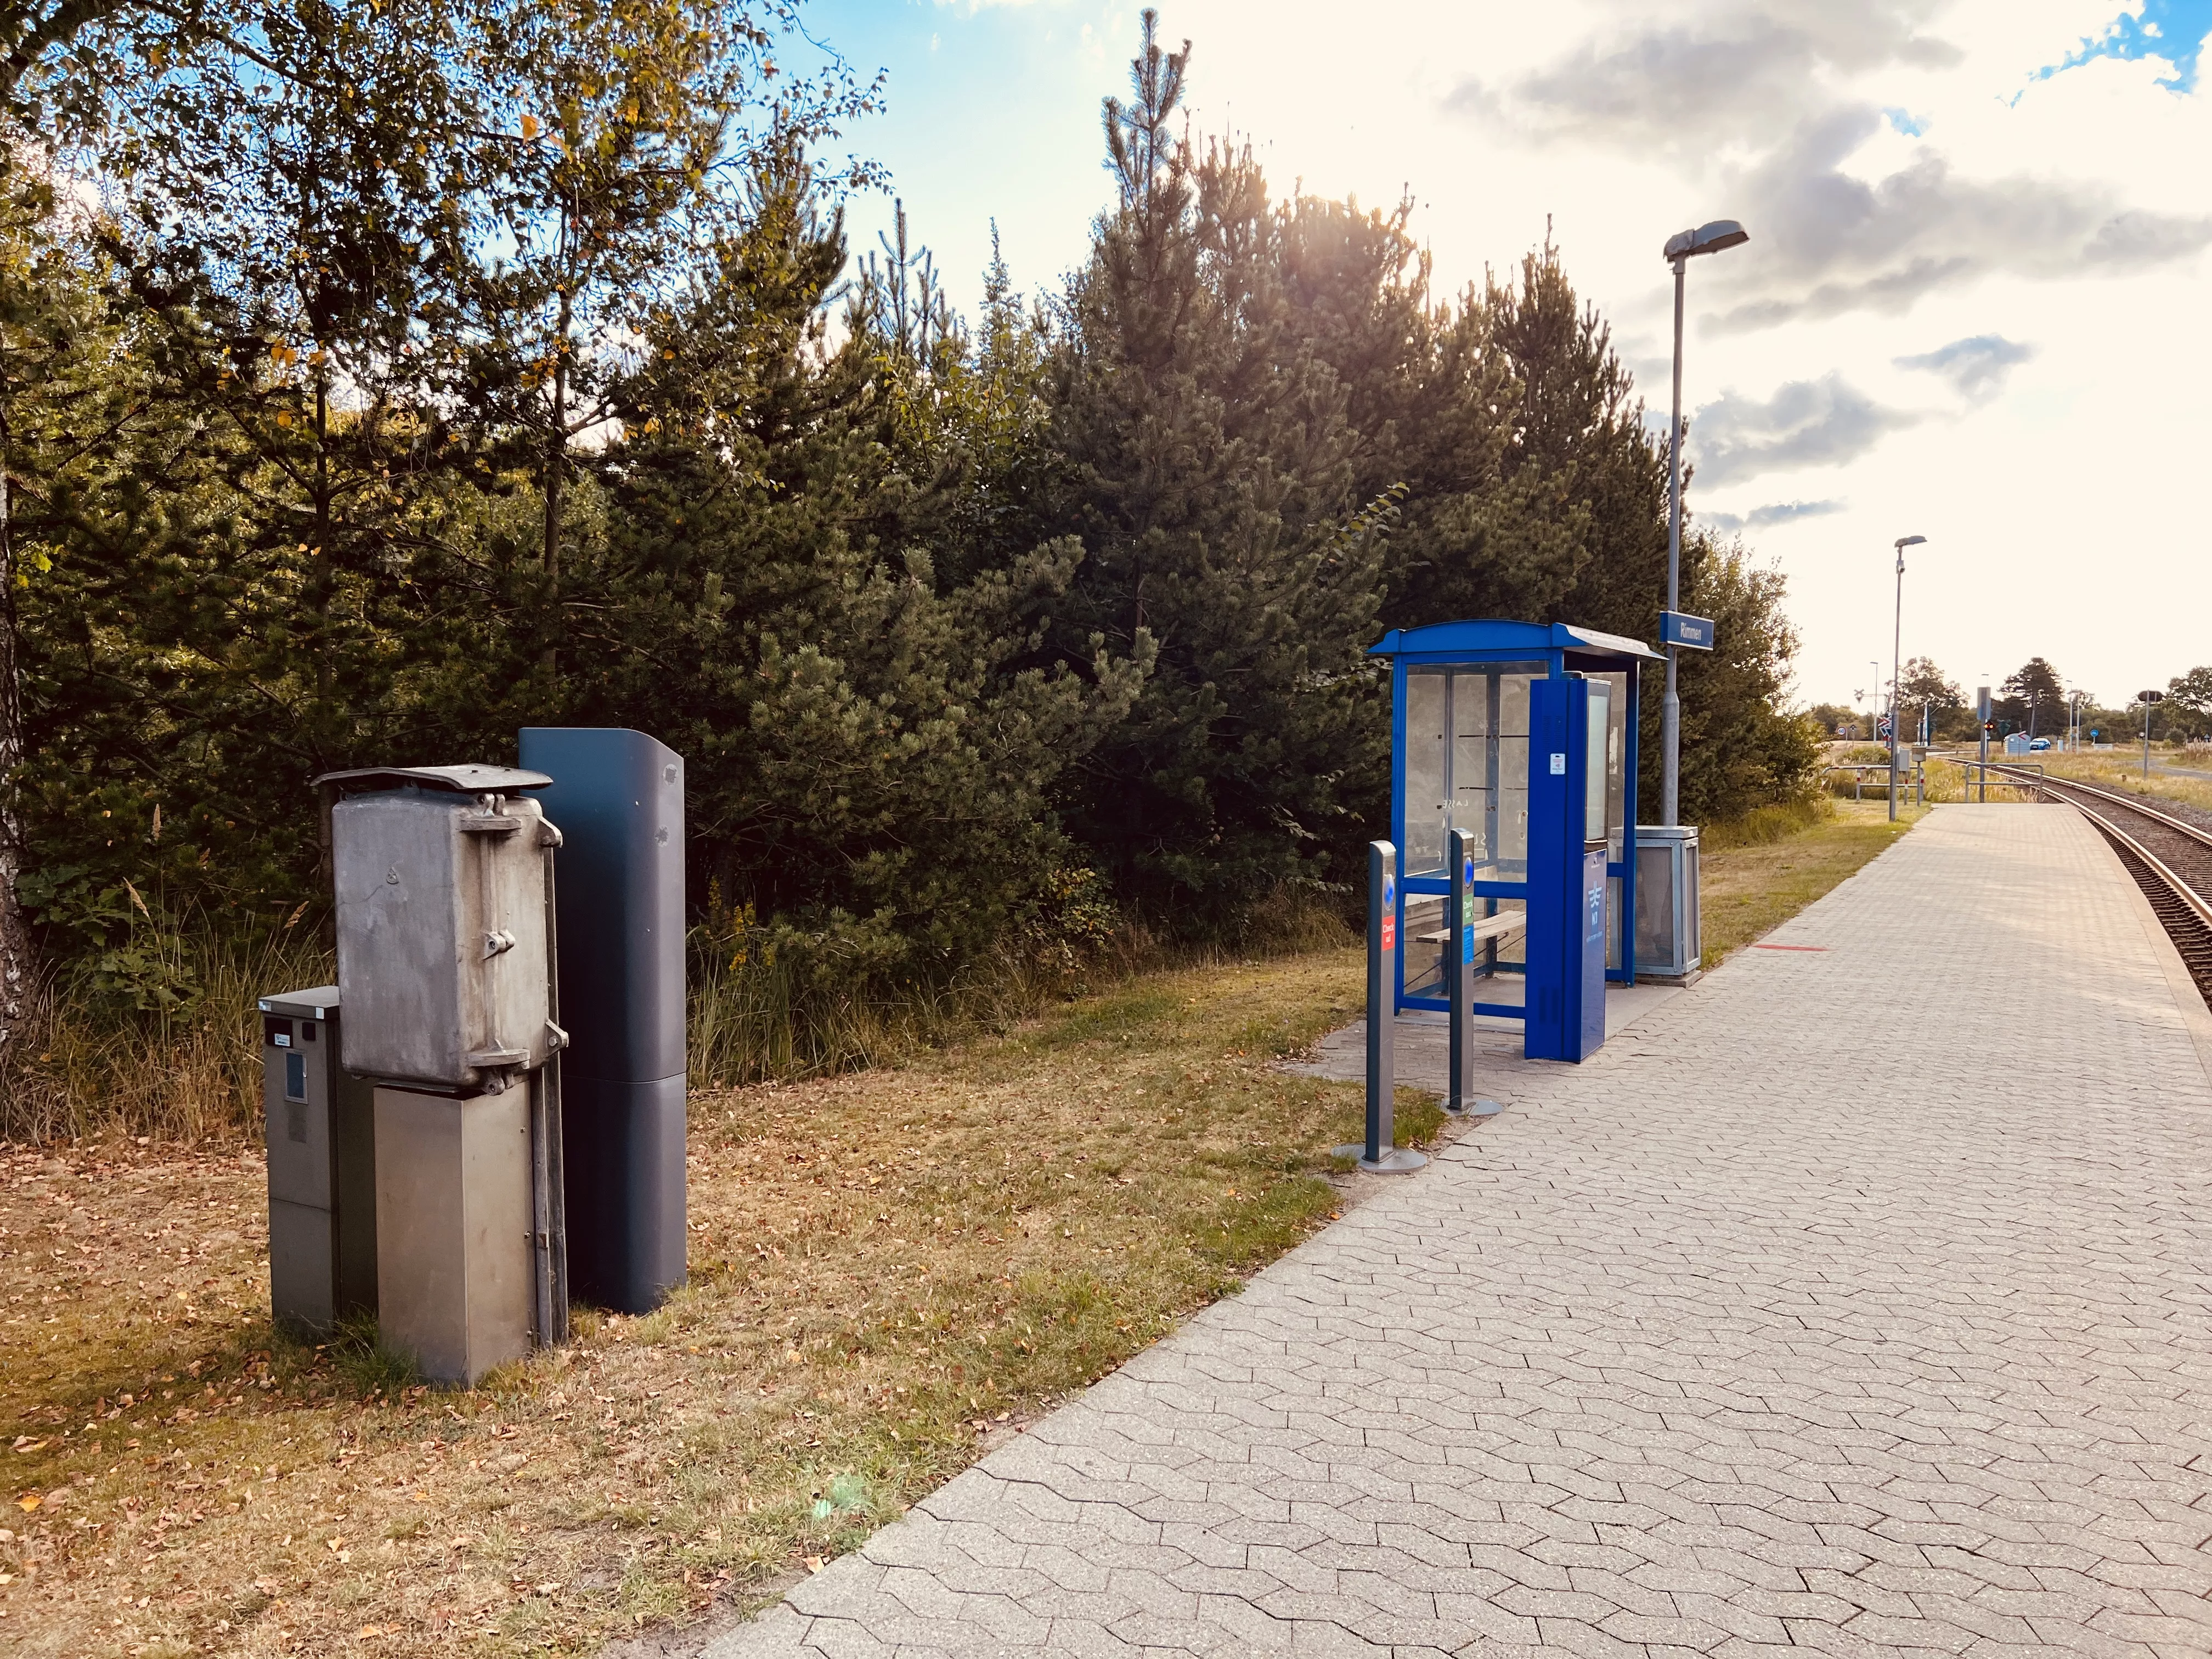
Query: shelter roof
<point x="1494" y="637"/>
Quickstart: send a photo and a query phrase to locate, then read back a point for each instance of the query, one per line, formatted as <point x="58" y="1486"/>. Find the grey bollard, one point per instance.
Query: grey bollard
<point x="618" y="797"/>
<point x="1458" y="971"/>
<point x="1377" y="1156"/>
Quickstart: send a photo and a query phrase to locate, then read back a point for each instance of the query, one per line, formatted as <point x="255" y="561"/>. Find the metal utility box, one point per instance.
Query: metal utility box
<point x="1465" y="756"/>
<point x="322" y="1166"/>
<point x="440" y="875"/>
<point x="619" y="797"/>
<point x="453" y="1213"/>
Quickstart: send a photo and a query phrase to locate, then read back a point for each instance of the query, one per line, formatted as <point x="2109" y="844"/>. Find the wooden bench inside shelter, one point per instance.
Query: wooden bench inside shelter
<point x="1503" y="925"/>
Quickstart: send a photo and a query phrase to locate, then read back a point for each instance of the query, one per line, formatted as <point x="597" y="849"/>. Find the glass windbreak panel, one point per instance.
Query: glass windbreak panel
<point x="1425" y="946"/>
<point x="1474" y="791"/>
<point x="1595" y="774"/>
<point x="1512" y="842"/>
<point x="1511" y="744"/>
<point x="1613" y="933"/>
<point x="1616" y="763"/>
<point x="1427" y="792"/>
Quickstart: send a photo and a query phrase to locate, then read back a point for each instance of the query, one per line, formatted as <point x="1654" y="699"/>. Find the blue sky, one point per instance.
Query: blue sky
<point x="1972" y="307"/>
<point x="2171" y="31"/>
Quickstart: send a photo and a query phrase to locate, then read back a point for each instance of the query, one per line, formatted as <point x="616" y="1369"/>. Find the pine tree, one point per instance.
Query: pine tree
<point x="1210" y="467"/>
<point x="871" y="742"/>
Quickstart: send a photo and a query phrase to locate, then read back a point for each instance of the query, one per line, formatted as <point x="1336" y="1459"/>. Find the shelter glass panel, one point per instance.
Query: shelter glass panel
<point x="1474" y="790"/>
<point x="1425" y="942"/>
<point x="1428" y="784"/>
<point x="1596" y="773"/>
<point x="1512" y="744"/>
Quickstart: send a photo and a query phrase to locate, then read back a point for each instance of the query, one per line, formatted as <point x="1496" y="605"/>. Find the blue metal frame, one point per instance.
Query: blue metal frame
<point x="1479" y="643"/>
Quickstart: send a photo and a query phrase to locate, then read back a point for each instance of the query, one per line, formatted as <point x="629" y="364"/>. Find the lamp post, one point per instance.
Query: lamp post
<point x="1680" y="249"/>
<point x="1896" y="669"/>
<point x="1874" y="721"/>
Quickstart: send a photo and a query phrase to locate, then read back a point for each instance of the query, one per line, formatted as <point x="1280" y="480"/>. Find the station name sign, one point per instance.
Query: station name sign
<point x="1679" y="627"/>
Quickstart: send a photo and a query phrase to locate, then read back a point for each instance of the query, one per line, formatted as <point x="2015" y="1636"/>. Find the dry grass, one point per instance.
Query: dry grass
<point x="190" y="1075"/>
<point x="2120" y="770"/>
<point x="889" y="1270"/>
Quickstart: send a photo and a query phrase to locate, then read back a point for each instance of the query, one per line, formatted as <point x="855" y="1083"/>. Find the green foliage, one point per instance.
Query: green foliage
<point x="444" y="366"/>
<point x="1742" y="746"/>
<point x="1208" y="471"/>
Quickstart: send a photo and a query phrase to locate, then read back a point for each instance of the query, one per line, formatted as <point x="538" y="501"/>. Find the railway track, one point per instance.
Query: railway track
<point x="2170" y="859"/>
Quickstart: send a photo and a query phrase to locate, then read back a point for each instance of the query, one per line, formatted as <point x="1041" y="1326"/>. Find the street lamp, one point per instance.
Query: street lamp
<point x="1680" y="249"/>
<point x="1896" y="670"/>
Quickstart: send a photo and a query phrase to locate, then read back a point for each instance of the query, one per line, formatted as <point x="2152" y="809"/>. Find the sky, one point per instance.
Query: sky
<point x="1973" y="308"/>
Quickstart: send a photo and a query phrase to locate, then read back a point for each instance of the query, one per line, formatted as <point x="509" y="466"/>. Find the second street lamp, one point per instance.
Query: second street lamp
<point x="1896" y="685"/>
<point x="1680" y="249"/>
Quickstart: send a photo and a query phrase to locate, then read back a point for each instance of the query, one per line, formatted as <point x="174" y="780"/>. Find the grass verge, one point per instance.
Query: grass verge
<point x="889" y="1270"/>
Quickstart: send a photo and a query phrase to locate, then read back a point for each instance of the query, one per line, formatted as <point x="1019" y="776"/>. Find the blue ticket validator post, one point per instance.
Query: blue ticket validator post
<point x="618" y="797"/>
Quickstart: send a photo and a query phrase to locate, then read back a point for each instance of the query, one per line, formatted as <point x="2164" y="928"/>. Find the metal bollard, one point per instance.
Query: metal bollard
<point x="1377" y="1156"/>
<point x="1459" y="972"/>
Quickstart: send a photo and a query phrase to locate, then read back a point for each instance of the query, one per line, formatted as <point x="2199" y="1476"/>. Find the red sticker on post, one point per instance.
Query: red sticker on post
<point x="1389" y="930"/>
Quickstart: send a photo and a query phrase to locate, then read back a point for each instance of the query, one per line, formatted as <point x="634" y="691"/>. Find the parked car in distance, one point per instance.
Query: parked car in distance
<point x="2038" y="745"/>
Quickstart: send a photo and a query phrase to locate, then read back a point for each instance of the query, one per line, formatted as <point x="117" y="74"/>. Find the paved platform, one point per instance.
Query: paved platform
<point x="1859" y="1300"/>
<point x="1423" y="1057"/>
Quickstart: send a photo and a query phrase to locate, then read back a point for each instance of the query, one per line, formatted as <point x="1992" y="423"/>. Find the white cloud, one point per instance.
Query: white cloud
<point x="1977" y="366"/>
<point x="1806" y="423"/>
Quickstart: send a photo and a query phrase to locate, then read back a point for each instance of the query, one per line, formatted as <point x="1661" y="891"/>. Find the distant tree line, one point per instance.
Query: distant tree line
<point x="378" y="380"/>
<point x="2033" y="701"/>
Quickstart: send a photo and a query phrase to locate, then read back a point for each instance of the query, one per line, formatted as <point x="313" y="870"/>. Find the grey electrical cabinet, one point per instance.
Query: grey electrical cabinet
<point x="321" y="1133"/>
<point x="440" y="875"/>
<point x="443" y="876"/>
<point x="453" y="1211"/>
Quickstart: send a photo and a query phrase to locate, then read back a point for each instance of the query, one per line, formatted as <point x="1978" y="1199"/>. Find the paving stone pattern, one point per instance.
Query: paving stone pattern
<point x="1858" y="1301"/>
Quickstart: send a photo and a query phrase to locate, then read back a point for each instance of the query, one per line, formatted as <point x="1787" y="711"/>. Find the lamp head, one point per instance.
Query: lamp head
<point x="1709" y="238"/>
<point x="1903" y="542"/>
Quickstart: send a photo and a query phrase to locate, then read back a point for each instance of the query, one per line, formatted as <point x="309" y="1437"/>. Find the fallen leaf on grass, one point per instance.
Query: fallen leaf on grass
<point x="24" y="1444"/>
<point x="29" y="1501"/>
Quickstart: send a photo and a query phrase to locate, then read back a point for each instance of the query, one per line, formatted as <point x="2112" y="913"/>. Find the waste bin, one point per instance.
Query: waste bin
<point x="1669" y="933"/>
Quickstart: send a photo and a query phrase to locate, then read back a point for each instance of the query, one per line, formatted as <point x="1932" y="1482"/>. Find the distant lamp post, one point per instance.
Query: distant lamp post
<point x="1680" y="250"/>
<point x="1896" y="668"/>
<point x="2146" y="698"/>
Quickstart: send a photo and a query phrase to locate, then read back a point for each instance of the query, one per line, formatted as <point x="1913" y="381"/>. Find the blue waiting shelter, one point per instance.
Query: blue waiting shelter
<point x="1466" y="699"/>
